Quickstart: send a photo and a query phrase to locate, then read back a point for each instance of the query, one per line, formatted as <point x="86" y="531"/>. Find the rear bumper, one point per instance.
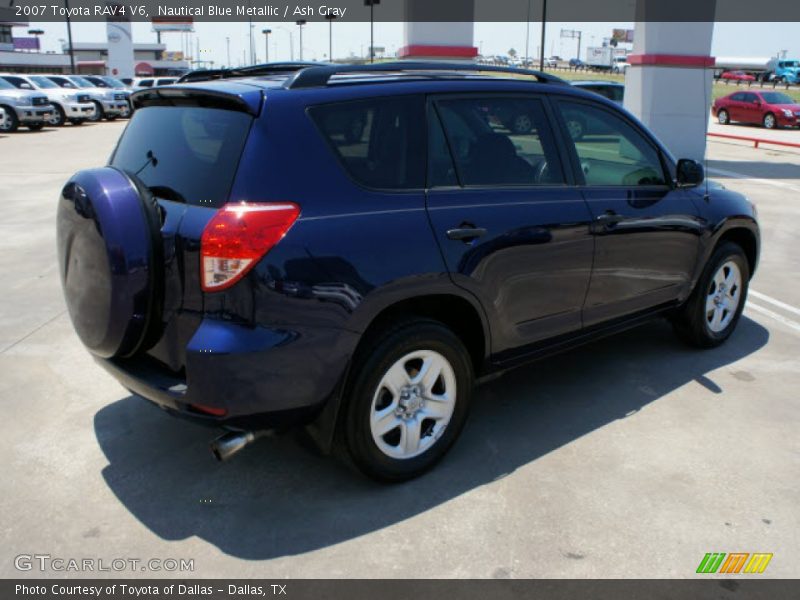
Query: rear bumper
<point x="237" y="375"/>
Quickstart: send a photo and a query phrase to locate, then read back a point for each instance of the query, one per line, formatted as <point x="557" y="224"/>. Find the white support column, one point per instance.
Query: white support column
<point x="434" y="40"/>
<point x="669" y="92"/>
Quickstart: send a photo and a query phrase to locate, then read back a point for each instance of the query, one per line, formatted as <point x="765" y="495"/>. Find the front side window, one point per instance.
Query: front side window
<point x="499" y="140"/>
<point x="610" y="150"/>
<point x="379" y="141"/>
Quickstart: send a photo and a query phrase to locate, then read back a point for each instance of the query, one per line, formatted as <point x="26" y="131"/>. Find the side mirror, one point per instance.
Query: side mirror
<point x="690" y="173"/>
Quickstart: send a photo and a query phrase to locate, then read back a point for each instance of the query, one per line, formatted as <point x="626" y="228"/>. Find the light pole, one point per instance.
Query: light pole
<point x="266" y="33"/>
<point x="291" y="41"/>
<point x="228" y="44"/>
<point x="371" y="4"/>
<point x="300" y="24"/>
<point x="69" y="37"/>
<point x="528" y="35"/>
<point x="330" y="19"/>
<point x="544" y="25"/>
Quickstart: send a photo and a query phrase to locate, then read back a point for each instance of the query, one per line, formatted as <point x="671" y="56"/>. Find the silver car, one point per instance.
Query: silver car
<point x="109" y="104"/>
<point x="23" y="107"/>
<point x="68" y="105"/>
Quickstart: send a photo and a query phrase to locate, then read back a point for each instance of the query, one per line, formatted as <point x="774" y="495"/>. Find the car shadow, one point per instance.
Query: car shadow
<point x="756" y="169"/>
<point x="277" y="498"/>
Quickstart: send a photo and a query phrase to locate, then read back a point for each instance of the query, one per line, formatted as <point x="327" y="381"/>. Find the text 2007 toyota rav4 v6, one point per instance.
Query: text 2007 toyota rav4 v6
<point x="351" y="247"/>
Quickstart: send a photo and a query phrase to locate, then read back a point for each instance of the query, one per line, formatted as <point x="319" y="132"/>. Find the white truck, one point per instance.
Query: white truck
<point x="606" y="58"/>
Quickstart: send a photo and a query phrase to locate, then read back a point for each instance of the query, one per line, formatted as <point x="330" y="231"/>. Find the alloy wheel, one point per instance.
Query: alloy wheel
<point x="723" y="297"/>
<point x="413" y="404"/>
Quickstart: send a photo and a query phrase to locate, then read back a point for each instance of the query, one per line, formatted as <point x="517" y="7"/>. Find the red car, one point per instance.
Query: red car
<point x="737" y="76"/>
<point x="770" y="109"/>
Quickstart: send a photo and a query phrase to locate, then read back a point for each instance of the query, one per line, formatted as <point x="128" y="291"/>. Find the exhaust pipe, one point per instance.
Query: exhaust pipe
<point x="233" y="442"/>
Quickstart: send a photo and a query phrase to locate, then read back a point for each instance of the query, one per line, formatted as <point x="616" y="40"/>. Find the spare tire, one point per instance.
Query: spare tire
<point x="111" y="261"/>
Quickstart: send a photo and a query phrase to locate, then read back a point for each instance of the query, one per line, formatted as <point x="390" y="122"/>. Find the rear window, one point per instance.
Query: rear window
<point x="380" y="141"/>
<point x="188" y="154"/>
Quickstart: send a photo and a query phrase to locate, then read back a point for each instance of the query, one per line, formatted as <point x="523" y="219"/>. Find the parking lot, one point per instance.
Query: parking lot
<point x="630" y="457"/>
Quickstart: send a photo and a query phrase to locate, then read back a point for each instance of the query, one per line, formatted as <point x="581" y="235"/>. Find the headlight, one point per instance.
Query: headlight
<point x="72" y="98"/>
<point x="787" y="113"/>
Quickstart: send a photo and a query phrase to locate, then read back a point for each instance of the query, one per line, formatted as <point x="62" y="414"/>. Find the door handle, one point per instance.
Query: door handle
<point x="466" y="234"/>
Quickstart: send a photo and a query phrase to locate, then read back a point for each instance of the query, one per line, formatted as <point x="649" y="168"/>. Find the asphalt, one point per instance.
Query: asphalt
<point x="630" y="457"/>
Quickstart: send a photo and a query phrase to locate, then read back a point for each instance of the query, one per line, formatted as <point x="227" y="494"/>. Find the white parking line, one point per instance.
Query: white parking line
<point x="773" y="315"/>
<point x="778" y="303"/>
<point x="735" y="175"/>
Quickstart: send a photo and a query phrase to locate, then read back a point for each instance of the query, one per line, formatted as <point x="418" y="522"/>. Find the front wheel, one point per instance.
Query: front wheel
<point x="99" y="113"/>
<point x="408" y="400"/>
<point x="723" y="117"/>
<point x="711" y="313"/>
<point x="58" y="116"/>
<point x="11" y="123"/>
<point x="769" y="121"/>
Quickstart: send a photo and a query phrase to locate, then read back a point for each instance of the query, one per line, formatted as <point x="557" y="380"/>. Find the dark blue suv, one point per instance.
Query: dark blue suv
<point x="351" y="247"/>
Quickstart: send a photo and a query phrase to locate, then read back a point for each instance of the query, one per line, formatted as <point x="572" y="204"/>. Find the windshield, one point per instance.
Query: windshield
<point x="777" y="98"/>
<point x="98" y="82"/>
<point x="82" y="82"/>
<point x="165" y="81"/>
<point x="43" y="82"/>
<point x="63" y="82"/>
<point x="115" y="83"/>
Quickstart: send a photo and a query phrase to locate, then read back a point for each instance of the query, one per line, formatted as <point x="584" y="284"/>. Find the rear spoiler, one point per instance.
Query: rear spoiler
<point x="244" y="99"/>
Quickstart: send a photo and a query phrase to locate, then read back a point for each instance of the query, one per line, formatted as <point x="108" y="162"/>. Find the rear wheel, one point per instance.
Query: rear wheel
<point x="723" y="117"/>
<point x="408" y="400"/>
<point x="711" y="313"/>
<point x="769" y="121"/>
<point x="11" y="123"/>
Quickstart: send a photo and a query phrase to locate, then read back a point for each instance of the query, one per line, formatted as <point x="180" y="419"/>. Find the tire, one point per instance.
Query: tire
<point x="576" y="129"/>
<point x="723" y="117"/>
<point x="11" y="122"/>
<point x="398" y="353"/>
<point x="35" y="126"/>
<point x="99" y="113"/>
<point x="521" y="124"/>
<point x="696" y="321"/>
<point x="59" y="117"/>
<point x="769" y="122"/>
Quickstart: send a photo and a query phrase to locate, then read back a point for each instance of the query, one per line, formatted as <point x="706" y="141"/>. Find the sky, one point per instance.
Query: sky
<point x="352" y="39"/>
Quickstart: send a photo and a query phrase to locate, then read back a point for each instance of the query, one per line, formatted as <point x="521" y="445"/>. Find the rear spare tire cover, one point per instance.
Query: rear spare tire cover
<point x="107" y="231"/>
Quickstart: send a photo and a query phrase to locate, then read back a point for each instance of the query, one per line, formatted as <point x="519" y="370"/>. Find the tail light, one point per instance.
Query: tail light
<point x="237" y="236"/>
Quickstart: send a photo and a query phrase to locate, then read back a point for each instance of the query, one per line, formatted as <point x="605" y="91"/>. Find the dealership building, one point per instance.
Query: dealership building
<point x="20" y="54"/>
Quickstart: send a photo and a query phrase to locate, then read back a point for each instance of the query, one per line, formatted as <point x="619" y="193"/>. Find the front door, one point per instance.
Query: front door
<point x="511" y="227"/>
<point x="646" y="230"/>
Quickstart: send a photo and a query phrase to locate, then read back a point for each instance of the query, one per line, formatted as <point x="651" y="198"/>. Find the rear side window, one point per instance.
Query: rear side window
<point x="379" y="141"/>
<point x="188" y="154"/>
<point x="498" y="140"/>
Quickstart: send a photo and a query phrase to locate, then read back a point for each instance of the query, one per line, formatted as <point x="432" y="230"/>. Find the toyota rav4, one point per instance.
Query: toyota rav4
<point x="352" y="247"/>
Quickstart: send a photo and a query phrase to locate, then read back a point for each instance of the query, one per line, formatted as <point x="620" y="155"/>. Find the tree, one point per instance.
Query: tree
<point x="512" y="53"/>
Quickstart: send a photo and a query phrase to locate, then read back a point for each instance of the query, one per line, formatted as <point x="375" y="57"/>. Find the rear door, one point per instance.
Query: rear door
<point x="646" y="231"/>
<point x="513" y="229"/>
<point x="736" y="107"/>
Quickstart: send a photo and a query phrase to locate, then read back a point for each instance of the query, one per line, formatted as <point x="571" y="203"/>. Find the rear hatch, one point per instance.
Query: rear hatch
<point x="184" y="145"/>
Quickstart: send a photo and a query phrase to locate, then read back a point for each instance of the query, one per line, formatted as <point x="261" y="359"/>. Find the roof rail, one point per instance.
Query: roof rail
<point x="316" y="75"/>
<point x="275" y="68"/>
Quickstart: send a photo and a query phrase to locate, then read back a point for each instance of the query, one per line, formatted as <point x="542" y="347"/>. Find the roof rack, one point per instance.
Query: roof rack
<point x="317" y="75"/>
<point x="275" y="68"/>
